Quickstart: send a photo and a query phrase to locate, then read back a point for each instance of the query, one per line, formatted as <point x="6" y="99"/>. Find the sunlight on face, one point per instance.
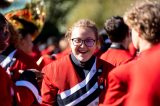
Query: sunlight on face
<point x="82" y="52"/>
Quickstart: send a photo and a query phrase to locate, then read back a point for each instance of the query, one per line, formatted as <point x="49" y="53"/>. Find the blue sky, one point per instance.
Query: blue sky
<point x="16" y="5"/>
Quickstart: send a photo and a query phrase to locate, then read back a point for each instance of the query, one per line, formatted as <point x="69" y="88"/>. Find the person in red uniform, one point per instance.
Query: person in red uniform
<point x="25" y="92"/>
<point x="17" y="54"/>
<point x="77" y="78"/>
<point x="137" y="83"/>
<point x="5" y="89"/>
<point x="118" y="33"/>
<point x="5" y="81"/>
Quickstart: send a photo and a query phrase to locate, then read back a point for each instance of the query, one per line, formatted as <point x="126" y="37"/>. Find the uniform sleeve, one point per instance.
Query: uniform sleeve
<point x="48" y="90"/>
<point x="115" y="95"/>
<point x="24" y="97"/>
<point x="5" y="89"/>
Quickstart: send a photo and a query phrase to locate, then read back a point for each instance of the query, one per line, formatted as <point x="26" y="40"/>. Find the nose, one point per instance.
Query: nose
<point x="82" y="44"/>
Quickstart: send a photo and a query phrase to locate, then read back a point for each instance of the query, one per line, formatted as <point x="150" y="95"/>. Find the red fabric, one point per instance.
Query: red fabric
<point x="5" y="89"/>
<point x="63" y="53"/>
<point x="45" y="51"/>
<point x="98" y="52"/>
<point x="23" y="61"/>
<point x="37" y="54"/>
<point x="136" y="83"/>
<point x="59" y="77"/>
<point x="116" y="57"/>
<point x="24" y="97"/>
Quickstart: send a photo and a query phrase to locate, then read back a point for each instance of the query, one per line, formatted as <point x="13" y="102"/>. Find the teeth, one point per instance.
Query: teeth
<point x="82" y="51"/>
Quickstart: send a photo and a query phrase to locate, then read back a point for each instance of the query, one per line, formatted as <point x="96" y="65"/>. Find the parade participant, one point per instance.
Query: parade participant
<point x="77" y="78"/>
<point x="17" y="54"/>
<point x="24" y="88"/>
<point x="5" y="81"/>
<point x="118" y="33"/>
<point x="27" y="91"/>
<point x="137" y="83"/>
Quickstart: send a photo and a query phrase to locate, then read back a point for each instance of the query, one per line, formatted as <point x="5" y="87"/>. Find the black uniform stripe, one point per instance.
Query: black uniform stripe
<point x="90" y="98"/>
<point x="82" y="91"/>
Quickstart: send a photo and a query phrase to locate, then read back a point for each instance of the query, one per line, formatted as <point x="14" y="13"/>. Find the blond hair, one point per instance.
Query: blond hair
<point x="146" y="18"/>
<point x="83" y="23"/>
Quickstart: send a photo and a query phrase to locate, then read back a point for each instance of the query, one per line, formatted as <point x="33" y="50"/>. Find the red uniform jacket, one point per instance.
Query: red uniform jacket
<point x="24" y="96"/>
<point x="5" y="89"/>
<point x="116" y="57"/>
<point x="63" y="53"/>
<point x="23" y="62"/>
<point x="136" y="83"/>
<point x="62" y="84"/>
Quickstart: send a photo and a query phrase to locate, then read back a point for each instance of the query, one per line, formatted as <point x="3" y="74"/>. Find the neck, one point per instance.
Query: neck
<point x="117" y="45"/>
<point x="125" y="45"/>
<point x="86" y="65"/>
<point x="144" y="45"/>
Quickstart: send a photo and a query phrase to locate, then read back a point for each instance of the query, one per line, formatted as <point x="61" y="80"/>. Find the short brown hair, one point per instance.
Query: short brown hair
<point x="116" y="29"/>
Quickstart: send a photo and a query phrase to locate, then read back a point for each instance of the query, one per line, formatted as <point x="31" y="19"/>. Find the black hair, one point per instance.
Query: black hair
<point x="27" y="26"/>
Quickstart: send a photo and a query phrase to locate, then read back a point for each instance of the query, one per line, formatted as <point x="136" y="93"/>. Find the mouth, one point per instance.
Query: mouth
<point x="82" y="52"/>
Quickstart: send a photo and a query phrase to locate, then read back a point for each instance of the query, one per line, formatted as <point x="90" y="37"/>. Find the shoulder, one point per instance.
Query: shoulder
<point x="104" y="64"/>
<point x="55" y="66"/>
<point x="4" y="74"/>
<point x="123" y="71"/>
<point x="58" y="62"/>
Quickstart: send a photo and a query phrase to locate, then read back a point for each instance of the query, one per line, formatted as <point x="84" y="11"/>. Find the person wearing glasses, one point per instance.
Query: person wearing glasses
<point x="118" y="33"/>
<point x="137" y="83"/>
<point x="77" y="78"/>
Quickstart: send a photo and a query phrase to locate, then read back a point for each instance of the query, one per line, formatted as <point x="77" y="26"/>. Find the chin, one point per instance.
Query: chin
<point x="83" y="59"/>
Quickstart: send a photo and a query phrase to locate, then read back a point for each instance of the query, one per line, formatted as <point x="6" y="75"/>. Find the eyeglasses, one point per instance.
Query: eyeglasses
<point x="87" y="42"/>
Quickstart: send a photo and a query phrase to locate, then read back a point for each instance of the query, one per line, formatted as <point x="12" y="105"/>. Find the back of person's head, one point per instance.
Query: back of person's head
<point x="116" y="29"/>
<point x="145" y="18"/>
<point x="4" y="32"/>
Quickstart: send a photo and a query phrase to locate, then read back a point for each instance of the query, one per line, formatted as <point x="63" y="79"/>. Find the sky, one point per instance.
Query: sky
<point x="16" y="5"/>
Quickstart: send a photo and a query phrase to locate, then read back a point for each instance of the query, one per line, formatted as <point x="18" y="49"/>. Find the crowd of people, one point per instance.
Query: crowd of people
<point x="88" y="70"/>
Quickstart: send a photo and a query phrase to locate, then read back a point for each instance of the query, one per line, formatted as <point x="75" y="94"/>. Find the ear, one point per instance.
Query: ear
<point x="69" y="41"/>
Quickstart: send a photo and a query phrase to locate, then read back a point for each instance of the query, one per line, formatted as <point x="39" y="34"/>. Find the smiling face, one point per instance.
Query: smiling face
<point x="82" y="52"/>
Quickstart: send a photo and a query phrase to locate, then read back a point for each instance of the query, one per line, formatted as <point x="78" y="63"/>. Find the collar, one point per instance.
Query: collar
<point x="85" y="65"/>
<point x="117" y="46"/>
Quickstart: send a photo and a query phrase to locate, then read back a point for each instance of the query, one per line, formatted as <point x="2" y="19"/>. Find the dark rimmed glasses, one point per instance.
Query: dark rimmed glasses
<point x="87" y="42"/>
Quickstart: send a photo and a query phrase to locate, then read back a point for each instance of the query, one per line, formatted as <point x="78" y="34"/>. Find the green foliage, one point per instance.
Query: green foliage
<point x="63" y="13"/>
<point x="89" y="9"/>
<point x="97" y="10"/>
